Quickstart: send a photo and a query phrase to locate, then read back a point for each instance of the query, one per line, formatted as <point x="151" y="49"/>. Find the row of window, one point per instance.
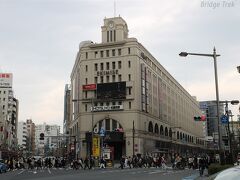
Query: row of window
<point x="107" y="79"/>
<point x="4" y="92"/>
<point x="166" y="132"/>
<point x="2" y="99"/>
<point x="111" y="36"/>
<point x="106" y="53"/>
<point x="100" y="67"/>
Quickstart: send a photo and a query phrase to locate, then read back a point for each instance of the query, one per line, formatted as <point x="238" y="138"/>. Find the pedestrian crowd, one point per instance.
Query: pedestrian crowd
<point x="163" y="161"/>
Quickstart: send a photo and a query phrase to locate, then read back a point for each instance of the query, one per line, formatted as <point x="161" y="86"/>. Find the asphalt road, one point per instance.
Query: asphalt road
<point x="101" y="174"/>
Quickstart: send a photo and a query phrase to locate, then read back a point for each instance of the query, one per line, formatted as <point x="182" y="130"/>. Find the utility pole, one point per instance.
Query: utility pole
<point x="133" y="131"/>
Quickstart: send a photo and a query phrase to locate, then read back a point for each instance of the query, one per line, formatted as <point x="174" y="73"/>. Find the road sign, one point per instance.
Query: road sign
<point x="102" y="132"/>
<point x="224" y="119"/>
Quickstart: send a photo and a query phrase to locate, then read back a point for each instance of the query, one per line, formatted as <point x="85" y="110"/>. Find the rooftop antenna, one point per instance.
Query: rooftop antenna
<point x="114" y="8"/>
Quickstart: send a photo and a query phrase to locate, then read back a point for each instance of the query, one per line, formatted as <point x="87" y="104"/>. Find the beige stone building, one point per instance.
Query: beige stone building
<point x="142" y="108"/>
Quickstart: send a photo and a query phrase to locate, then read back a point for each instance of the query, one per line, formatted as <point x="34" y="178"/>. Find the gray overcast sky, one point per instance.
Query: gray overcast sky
<point x="39" y="41"/>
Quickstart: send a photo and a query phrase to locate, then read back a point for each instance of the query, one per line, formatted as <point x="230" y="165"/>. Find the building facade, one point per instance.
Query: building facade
<point x="51" y="141"/>
<point x="67" y="102"/>
<point x="119" y="88"/>
<point x="9" y="114"/>
<point x="22" y="136"/>
<point x="31" y="146"/>
<point x="210" y="110"/>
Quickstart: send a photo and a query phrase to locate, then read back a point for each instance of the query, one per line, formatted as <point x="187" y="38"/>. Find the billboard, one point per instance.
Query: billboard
<point x="89" y="87"/>
<point x="96" y="146"/>
<point x="5" y="79"/>
<point x="115" y="90"/>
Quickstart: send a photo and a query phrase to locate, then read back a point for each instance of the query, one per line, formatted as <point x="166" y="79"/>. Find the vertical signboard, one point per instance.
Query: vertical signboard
<point x="96" y="146"/>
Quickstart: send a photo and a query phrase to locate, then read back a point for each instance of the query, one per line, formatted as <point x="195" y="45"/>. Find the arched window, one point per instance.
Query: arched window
<point x="166" y="131"/>
<point x="156" y="129"/>
<point x="161" y="130"/>
<point x="178" y="135"/>
<point x="150" y="127"/>
<point x="170" y="132"/>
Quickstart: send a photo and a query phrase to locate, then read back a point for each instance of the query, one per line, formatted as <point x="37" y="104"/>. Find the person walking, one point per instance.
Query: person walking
<point x="102" y="163"/>
<point x="86" y="163"/>
<point x="202" y="165"/>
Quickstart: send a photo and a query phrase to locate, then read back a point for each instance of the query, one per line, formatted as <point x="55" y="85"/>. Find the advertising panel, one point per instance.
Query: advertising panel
<point x="96" y="146"/>
<point x="5" y="79"/>
<point x="116" y="90"/>
<point x="89" y="87"/>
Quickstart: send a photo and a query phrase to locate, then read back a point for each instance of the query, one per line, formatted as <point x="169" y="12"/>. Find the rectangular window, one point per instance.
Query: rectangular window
<point x="130" y="105"/>
<point x="113" y="65"/>
<point x="129" y="50"/>
<point x="114" y="125"/>
<point x="3" y="106"/>
<point x="113" y="103"/>
<point x="107" y="123"/>
<point x="113" y="78"/>
<point x="107" y="36"/>
<point x="129" y="90"/>
<point x="96" y="54"/>
<point x="86" y="95"/>
<point x="129" y="64"/>
<point x="119" y="77"/>
<point x="101" y="79"/>
<point x="114" y="34"/>
<point x="107" y="79"/>
<point x="85" y="107"/>
<point x="101" y="52"/>
<point x="96" y="80"/>
<point x="86" y="67"/>
<point x="110" y="36"/>
<point x="129" y="77"/>
<point x="119" y="64"/>
<point x="96" y="66"/>
<point x="86" y="55"/>
<point x="101" y="66"/>
<point x="107" y="53"/>
<point x="107" y="65"/>
<point x="86" y="81"/>
<point x="113" y="52"/>
<point x="120" y="103"/>
<point x="119" y="52"/>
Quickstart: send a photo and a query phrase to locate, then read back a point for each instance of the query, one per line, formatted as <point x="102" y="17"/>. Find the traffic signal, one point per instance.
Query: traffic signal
<point x="41" y="136"/>
<point x="200" y="118"/>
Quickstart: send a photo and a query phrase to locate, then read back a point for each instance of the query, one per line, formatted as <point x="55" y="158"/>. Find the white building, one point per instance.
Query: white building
<point x="51" y="139"/>
<point x="22" y="135"/>
<point x="9" y="113"/>
<point x="118" y="84"/>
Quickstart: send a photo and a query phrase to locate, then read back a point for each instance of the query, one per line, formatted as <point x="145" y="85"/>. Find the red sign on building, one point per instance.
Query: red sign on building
<point x="89" y="87"/>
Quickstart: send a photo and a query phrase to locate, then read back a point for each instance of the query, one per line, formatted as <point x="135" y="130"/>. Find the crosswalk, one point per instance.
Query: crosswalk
<point x="150" y="171"/>
<point x="163" y="172"/>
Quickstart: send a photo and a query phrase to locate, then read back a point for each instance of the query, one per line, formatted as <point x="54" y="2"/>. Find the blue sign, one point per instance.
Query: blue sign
<point x="102" y="132"/>
<point x="224" y="119"/>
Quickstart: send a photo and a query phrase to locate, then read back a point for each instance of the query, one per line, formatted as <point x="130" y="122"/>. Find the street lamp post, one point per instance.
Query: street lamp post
<point x="214" y="56"/>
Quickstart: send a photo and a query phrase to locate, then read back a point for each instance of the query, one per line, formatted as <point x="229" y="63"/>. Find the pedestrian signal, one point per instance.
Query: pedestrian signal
<point x="41" y="136"/>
